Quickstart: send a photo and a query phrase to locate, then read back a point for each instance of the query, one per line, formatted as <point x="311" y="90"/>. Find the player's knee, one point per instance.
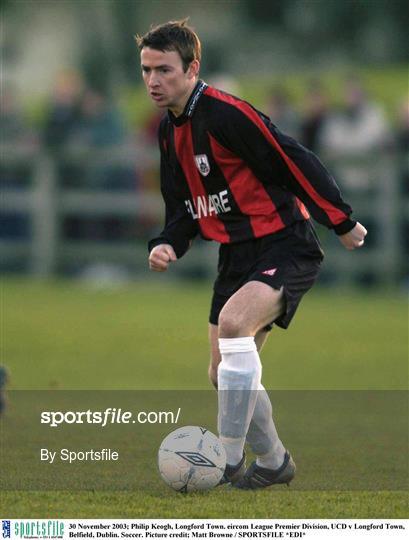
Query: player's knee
<point x="231" y="327"/>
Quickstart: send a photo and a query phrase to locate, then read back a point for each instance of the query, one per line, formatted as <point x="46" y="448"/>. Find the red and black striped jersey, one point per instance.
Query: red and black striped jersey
<point x="230" y="175"/>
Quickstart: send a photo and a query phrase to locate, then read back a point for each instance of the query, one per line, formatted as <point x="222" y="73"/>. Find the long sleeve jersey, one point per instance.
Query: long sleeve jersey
<point x="228" y="174"/>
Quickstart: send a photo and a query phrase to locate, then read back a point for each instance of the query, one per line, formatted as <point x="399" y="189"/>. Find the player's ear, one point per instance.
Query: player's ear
<point x="193" y="69"/>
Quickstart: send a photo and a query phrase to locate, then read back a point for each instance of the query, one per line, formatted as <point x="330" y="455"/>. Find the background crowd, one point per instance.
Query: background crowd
<point x="78" y="134"/>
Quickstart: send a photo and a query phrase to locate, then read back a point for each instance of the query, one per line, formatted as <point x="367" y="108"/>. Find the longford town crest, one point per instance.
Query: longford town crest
<point x="202" y="163"/>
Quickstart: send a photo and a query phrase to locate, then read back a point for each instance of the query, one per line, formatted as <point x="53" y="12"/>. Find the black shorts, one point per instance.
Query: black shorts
<point x="290" y="259"/>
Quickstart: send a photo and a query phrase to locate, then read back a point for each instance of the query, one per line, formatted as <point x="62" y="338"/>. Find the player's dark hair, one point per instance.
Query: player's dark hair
<point x="173" y="36"/>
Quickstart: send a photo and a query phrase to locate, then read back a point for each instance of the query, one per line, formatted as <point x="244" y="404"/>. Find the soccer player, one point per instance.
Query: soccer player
<point x="229" y="175"/>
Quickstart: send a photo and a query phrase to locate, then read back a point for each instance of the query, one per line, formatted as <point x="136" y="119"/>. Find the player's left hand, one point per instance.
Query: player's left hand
<point x="355" y="238"/>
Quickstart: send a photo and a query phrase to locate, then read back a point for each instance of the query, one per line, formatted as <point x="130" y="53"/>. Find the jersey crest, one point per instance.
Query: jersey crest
<point x="202" y="163"/>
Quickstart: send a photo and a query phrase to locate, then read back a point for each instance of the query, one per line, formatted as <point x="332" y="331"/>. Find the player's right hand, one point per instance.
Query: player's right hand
<point x="160" y="257"/>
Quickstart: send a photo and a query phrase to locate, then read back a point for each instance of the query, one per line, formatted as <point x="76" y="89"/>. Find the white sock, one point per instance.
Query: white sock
<point x="262" y="435"/>
<point x="239" y="376"/>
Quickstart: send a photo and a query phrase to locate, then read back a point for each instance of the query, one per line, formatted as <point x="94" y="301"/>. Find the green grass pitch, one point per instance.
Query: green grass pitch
<point x="62" y="335"/>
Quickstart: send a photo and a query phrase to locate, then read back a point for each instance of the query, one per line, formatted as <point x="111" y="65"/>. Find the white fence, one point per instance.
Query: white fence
<point x="374" y="187"/>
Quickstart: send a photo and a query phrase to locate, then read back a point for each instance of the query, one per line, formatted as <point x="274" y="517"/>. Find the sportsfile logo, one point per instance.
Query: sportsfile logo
<point x="6" y="529"/>
<point x="38" y="529"/>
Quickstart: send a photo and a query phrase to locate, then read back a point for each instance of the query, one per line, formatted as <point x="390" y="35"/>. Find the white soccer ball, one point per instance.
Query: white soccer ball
<point x="191" y="458"/>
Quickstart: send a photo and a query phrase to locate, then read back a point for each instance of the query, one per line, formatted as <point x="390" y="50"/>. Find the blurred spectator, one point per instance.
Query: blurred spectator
<point x="359" y="127"/>
<point x="79" y="123"/>
<point x="18" y="149"/>
<point x="352" y="135"/>
<point x="402" y="137"/>
<point x="64" y="111"/>
<point x="100" y="123"/>
<point x="148" y="140"/>
<point x="402" y="145"/>
<point x="13" y="126"/>
<point x="151" y="127"/>
<point x="18" y="141"/>
<point x="315" y="116"/>
<point x="225" y="83"/>
<point x="101" y="127"/>
<point x="282" y="113"/>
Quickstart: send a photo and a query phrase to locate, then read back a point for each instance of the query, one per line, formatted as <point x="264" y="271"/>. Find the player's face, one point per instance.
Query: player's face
<point x="166" y="82"/>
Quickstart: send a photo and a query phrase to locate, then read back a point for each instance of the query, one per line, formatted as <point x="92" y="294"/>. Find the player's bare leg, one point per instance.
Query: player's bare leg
<point x="250" y="309"/>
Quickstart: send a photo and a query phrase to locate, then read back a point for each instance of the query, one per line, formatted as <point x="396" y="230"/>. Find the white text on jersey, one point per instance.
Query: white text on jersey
<point x="204" y="206"/>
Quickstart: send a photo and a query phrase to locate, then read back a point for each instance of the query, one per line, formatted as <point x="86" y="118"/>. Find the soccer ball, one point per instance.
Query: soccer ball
<point x="191" y="458"/>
